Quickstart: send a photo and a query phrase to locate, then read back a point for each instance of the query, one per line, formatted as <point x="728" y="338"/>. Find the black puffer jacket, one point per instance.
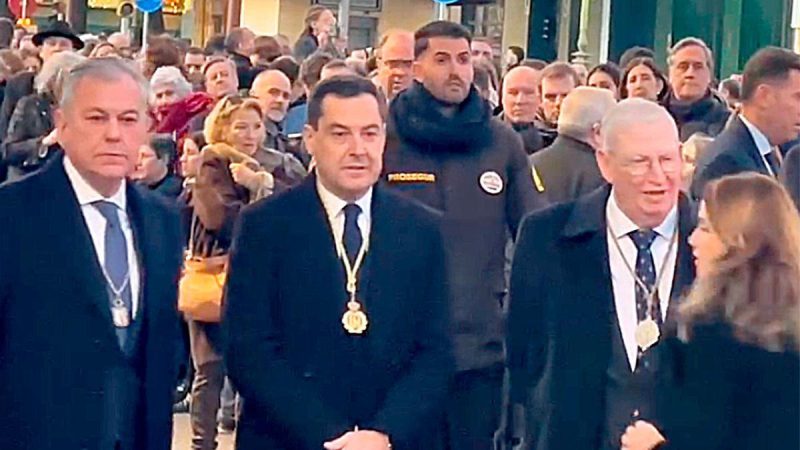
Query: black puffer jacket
<point x="472" y="168"/>
<point x="707" y="115"/>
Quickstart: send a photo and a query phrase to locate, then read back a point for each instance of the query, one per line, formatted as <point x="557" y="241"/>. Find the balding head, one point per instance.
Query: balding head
<point x="395" y="61"/>
<point x="628" y="115"/>
<point x="582" y="112"/>
<point x="641" y="158"/>
<point x="120" y="41"/>
<point x="521" y="94"/>
<point x="273" y="90"/>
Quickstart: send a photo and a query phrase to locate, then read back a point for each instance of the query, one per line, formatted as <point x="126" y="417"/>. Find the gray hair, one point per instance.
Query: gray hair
<point x="105" y="69"/>
<point x="691" y="42"/>
<point x="583" y="109"/>
<point x="53" y="72"/>
<point x="629" y="114"/>
<point x="172" y="76"/>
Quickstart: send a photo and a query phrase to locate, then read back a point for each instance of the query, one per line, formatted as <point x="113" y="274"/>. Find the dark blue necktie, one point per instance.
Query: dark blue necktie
<point x="352" y="233"/>
<point x="774" y="161"/>
<point x="116" y="259"/>
<point x="646" y="272"/>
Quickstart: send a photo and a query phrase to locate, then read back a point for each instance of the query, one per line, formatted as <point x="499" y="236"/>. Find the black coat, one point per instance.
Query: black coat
<point x="566" y="170"/>
<point x="441" y="162"/>
<point x="303" y="379"/>
<point x="17" y="87"/>
<point x="532" y="140"/>
<point x="707" y="115"/>
<point x="57" y="339"/>
<point x="733" y="151"/>
<point x="244" y="70"/>
<point x="791" y="174"/>
<point x="731" y="396"/>
<point x="22" y="149"/>
<point x="560" y="335"/>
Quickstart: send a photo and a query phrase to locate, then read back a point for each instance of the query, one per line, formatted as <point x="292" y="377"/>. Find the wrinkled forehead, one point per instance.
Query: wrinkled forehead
<point x="690" y="54"/>
<point x="654" y="138"/>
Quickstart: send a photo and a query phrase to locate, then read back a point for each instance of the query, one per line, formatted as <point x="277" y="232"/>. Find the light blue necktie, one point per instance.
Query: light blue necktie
<point x="116" y="261"/>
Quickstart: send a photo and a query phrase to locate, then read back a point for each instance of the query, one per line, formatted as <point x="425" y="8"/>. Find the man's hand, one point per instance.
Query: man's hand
<point x="360" y="440"/>
<point x="641" y="436"/>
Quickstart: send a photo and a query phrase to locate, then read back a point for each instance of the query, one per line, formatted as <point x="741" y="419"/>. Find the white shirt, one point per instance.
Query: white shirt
<point x="762" y="143"/>
<point x="96" y="223"/>
<point x="334" y="209"/>
<point x="623" y="280"/>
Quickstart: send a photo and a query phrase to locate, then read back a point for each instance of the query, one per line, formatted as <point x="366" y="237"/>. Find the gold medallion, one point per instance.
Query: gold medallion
<point x="120" y="315"/>
<point x="647" y="334"/>
<point x="354" y="320"/>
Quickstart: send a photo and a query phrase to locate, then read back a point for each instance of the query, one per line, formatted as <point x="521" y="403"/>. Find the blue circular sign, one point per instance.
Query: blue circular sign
<point x="149" y="6"/>
<point x="445" y="2"/>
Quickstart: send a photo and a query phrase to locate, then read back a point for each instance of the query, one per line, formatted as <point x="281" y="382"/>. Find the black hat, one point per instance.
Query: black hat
<point x="58" y="28"/>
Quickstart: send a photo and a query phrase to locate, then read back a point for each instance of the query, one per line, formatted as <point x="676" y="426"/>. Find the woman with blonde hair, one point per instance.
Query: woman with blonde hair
<point x="737" y="367"/>
<point x="234" y="170"/>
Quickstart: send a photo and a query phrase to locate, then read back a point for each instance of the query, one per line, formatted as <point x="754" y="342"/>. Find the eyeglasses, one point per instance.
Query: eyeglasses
<point x="670" y="165"/>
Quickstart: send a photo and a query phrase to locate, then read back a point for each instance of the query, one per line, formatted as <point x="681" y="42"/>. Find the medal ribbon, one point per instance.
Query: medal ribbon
<point x="352" y="271"/>
<point x="650" y="294"/>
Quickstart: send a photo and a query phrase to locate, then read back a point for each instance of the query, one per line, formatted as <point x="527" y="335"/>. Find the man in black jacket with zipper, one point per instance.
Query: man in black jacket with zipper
<point x="446" y="150"/>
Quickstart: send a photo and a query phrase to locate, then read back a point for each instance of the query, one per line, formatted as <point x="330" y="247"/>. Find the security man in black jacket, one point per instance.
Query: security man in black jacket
<point x="444" y="149"/>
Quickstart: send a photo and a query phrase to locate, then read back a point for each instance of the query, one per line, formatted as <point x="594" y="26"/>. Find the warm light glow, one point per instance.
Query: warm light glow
<point x="170" y="6"/>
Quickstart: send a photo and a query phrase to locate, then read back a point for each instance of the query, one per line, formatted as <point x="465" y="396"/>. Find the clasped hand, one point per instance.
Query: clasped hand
<point x="360" y="440"/>
<point x="641" y="436"/>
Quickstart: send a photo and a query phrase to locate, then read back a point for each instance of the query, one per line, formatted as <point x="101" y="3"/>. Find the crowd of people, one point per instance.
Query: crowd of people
<point x="412" y="246"/>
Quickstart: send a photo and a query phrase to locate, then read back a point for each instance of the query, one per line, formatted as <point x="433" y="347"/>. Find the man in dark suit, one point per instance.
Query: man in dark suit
<point x="567" y="169"/>
<point x="336" y="310"/>
<point x="88" y="282"/>
<point x="584" y="329"/>
<point x="770" y="117"/>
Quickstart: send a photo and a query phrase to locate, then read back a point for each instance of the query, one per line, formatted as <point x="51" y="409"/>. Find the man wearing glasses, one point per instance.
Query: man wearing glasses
<point x="395" y="60"/>
<point x="585" y="329"/>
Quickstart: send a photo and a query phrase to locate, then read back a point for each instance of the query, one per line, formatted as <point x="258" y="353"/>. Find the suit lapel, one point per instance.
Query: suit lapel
<point x="591" y="297"/>
<point x="324" y="272"/>
<point x="74" y="244"/>
<point x="385" y="251"/>
<point x="751" y="148"/>
<point x="145" y="244"/>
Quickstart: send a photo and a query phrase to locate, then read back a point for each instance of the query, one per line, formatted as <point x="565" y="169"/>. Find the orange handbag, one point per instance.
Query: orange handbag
<point x="200" y="289"/>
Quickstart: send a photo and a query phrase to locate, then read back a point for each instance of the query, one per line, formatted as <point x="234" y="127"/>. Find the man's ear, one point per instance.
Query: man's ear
<point x="309" y="135"/>
<point x="417" y="70"/>
<point x="604" y="164"/>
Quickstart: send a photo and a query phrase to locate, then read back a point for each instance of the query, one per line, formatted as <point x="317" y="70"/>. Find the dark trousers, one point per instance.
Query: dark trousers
<point x="474" y="408"/>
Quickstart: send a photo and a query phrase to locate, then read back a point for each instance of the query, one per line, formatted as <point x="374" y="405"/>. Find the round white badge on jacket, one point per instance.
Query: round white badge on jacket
<point x="491" y="182"/>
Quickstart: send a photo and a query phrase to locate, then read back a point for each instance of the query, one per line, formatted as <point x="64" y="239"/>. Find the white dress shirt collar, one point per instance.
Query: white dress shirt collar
<point x="621" y="249"/>
<point x="88" y="195"/>
<point x="762" y="143"/>
<point x="623" y="225"/>
<point x="334" y="210"/>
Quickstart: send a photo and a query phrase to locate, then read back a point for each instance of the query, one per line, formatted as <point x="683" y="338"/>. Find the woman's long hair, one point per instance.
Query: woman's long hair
<point x="312" y="15"/>
<point x="754" y="287"/>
